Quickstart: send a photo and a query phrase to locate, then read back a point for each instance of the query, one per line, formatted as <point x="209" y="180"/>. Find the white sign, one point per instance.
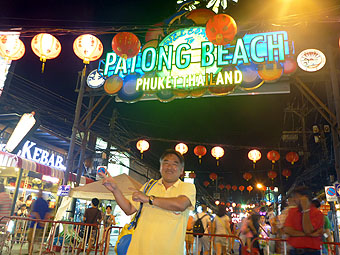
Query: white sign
<point x="63" y="190"/>
<point x="330" y="194"/>
<point x="311" y="60"/>
<point x="95" y="79"/>
<point x="31" y="152"/>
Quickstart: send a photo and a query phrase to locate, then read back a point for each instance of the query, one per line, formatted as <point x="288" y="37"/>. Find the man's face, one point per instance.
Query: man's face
<point x="171" y="168"/>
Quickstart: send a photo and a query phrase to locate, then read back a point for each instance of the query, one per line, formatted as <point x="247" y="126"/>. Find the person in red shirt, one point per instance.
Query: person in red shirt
<point x="304" y="224"/>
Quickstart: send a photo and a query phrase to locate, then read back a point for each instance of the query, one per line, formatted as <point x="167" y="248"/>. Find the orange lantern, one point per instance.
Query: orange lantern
<point x="217" y="152"/>
<point x="88" y="48"/>
<point x="234" y="187"/>
<point x="206" y="183"/>
<point x="228" y="187"/>
<point x="213" y="176"/>
<point x="200" y="16"/>
<point x="221" y="29"/>
<point x="273" y="156"/>
<point x="126" y="45"/>
<point x="192" y="175"/>
<point x="113" y="84"/>
<point x="45" y="46"/>
<point x="292" y="157"/>
<point x="200" y="151"/>
<point x="289" y="66"/>
<point x="228" y="204"/>
<point x="272" y="174"/>
<point x="270" y="72"/>
<point x="221" y="186"/>
<point x="286" y="173"/>
<point x="181" y="148"/>
<point x="142" y="146"/>
<point x="247" y="176"/>
<point x="11" y="47"/>
<point x="249" y="188"/>
<point x="241" y="188"/>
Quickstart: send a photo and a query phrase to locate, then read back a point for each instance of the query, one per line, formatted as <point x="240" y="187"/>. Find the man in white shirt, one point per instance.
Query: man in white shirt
<point x="204" y="241"/>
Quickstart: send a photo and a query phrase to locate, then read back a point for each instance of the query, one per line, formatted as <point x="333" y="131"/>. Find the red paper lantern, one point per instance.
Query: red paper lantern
<point x="249" y="188"/>
<point x="289" y="66"/>
<point x="234" y="187"/>
<point x="206" y="183"/>
<point x="228" y="187"/>
<point x="200" y="151"/>
<point x="272" y="188"/>
<point x="126" y="45"/>
<point x="228" y="204"/>
<point x="272" y="174"/>
<point x="192" y="175"/>
<point x="201" y="16"/>
<point x="286" y="173"/>
<point x="247" y="176"/>
<point x="221" y="186"/>
<point x="292" y="157"/>
<point x="221" y="29"/>
<point x="273" y="156"/>
<point x="241" y="188"/>
<point x="213" y="176"/>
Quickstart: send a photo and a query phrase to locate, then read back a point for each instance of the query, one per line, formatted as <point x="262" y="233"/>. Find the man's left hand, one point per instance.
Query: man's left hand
<point x="139" y="196"/>
<point x="305" y="203"/>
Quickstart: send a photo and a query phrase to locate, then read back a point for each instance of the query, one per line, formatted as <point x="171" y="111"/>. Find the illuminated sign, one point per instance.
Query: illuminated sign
<point x="186" y="61"/>
<point x="32" y="152"/>
<point x="95" y="79"/>
<point x="311" y="60"/>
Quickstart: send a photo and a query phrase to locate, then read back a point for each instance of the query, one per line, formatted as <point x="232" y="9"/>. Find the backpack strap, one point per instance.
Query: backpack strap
<point x="146" y="190"/>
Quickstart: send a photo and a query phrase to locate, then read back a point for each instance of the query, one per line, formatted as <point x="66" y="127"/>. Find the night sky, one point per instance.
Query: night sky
<point x="238" y="123"/>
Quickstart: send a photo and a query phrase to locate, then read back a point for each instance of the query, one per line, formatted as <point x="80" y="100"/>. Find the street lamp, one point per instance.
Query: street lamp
<point x="22" y="129"/>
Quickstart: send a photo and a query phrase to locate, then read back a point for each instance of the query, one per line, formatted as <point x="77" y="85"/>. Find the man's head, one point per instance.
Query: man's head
<point x="108" y="209"/>
<point x="95" y="202"/>
<point x="301" y="192"/>
<point x="316" y="203"/>
<point x="171" y="166"/>
<point x="21" y="199"/>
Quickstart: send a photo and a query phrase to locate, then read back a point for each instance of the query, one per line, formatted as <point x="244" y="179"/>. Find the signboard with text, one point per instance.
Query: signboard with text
<point x="186" y="64"/>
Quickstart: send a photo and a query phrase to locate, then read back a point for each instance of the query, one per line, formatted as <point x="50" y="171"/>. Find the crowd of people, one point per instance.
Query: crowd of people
<point x="164" y="224"/>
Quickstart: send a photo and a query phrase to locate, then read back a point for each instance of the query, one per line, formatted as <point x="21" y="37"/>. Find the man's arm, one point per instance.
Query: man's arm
<point x="123" y="203"/>
<point x="306" y="221"/>
<point x="180" y="203"/>
<point x="292" y="232"/>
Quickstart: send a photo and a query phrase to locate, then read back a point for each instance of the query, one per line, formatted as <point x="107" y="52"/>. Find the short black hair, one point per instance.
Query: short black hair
<point x="316" y="203"/>
<point x="221" y="210"/>
<point x="109" y="206"/>
<point x="173" y="152"/>
<point x="303" y="191"/>
<point x="95" y="201"/>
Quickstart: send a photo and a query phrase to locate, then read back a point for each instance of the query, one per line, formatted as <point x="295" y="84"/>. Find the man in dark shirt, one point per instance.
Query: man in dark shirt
<point x="92" y="216"/>
<point x="40" y="211"/>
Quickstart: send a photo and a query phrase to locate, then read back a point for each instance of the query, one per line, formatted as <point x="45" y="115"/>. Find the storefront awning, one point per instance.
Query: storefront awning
<point x="11" y="160"/>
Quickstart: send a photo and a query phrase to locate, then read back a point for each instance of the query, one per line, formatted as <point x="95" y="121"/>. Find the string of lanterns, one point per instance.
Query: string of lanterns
<point x="218" y="152"/>
<point x="87" y="47"/>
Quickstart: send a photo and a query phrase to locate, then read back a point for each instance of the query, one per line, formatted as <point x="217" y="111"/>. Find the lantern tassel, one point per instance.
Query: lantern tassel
<point x="218" y="163"/>
<point x="141" y="155"/>
<point x="200" y="160"/>
<point x="43" y="67"/>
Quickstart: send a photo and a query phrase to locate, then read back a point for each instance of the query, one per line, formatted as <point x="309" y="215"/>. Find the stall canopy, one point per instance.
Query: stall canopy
<point x="96" y="189"/>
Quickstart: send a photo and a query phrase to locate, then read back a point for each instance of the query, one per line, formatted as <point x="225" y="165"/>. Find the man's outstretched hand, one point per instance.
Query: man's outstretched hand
<point x="109" y="182"/>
